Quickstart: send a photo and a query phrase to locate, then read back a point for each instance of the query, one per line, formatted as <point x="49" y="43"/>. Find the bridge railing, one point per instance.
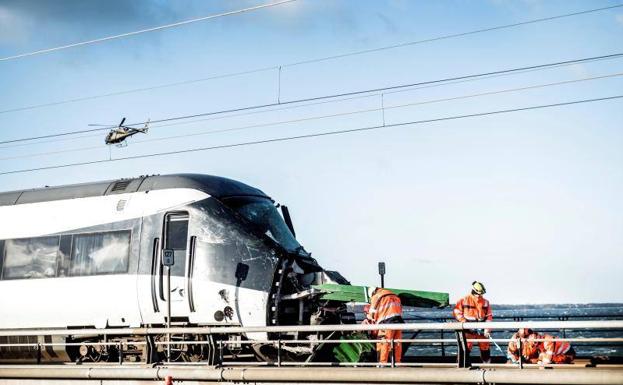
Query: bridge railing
<point x="284" y="336"/>
<point x="443" y="349"/>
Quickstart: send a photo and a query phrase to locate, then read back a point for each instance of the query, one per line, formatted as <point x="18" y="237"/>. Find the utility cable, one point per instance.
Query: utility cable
<point x="451" y="36"/>
<point x="333" y="96"/>
<point x="340" y="114"/>
<point x="159" y="28"/>
<point x="314" y="135"/>
<point x="134" y="90"/>
<point x="292" y="107"/>
<point x="293" y="64"/>
<point x="382" y="108"/>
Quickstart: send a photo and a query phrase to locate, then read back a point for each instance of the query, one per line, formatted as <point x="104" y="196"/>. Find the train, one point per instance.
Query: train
<point x="126" y="253"/>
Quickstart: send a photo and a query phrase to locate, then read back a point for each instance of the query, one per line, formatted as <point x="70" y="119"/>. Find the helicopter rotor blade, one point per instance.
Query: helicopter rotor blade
<point x="122" y="121"/>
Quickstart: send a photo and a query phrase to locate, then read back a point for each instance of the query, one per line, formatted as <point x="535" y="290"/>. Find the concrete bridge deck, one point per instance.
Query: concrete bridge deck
<point x="201" y="374"/>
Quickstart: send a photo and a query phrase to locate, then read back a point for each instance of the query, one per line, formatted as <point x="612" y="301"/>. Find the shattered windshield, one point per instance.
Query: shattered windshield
<point x="263" y="215"/>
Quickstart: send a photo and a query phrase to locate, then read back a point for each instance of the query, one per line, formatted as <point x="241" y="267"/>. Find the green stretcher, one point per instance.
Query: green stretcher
<point x="414" y="298"/>
<point x="352" y="352"/>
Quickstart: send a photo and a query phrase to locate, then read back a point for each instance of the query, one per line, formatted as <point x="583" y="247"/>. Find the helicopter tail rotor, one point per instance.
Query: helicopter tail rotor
<point x="146" y="128"/>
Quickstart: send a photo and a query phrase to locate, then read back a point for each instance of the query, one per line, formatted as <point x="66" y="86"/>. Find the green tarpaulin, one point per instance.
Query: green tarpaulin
<point x="415" y="298"/>
<point x="351" y="352"/>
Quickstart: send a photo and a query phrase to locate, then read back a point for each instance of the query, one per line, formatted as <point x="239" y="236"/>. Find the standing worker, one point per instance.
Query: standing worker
<point x="475" y="308"/>
<point x="385" y="308"/>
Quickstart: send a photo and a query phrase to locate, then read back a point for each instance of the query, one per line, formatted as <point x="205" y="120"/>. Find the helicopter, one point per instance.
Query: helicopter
<point x="120" y="133"/>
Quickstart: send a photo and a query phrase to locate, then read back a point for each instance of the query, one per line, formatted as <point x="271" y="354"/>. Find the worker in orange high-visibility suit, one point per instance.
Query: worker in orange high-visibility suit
<point x="553" y="350"/>
<point x="475" y="308"/>
<point x="385" y="308"/>
<point x="529" y="348"/>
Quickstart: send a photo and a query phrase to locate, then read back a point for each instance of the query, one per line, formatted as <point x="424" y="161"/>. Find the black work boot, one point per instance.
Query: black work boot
<point x="485" y="356"/>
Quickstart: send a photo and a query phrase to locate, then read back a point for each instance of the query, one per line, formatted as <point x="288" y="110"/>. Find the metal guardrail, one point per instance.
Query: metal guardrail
<point x="447" y="326"/>
<point x="289" y="375"/>
<point x="280" y="342"/>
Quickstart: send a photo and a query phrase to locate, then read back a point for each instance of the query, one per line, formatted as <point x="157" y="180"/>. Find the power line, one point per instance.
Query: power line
<point x="454" y="35"/>
<point x="334" y="96"/>
<point x="317" y="134"/>
<point x="134" y="90"/>
<point x="411" y="104"/>
<point x="293" y="64"/>
<point x="381" y="109"/>
<point x="159" y="28"/>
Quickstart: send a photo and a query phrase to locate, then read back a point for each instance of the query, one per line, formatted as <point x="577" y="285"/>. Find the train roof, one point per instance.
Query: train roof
<point x="215" y="186"/>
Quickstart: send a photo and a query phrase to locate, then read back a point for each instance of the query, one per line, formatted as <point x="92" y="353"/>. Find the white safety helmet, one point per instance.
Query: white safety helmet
<point x="478" y="288"/>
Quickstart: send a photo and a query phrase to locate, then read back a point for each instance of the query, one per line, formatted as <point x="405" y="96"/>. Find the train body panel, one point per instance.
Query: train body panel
<point x="69" y="302"/>
<point x="45" y="218"/>
<point x="91" y="255"/>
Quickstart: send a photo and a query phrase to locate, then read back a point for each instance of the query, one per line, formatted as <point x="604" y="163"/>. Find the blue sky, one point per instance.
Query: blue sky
<point x="528" y="203"/>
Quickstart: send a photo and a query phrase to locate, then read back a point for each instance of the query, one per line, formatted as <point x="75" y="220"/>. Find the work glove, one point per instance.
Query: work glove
<point x="487" y="333"/>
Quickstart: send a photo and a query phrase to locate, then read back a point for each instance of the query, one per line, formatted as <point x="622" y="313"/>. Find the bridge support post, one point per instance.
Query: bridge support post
<point x="462" y="357"/>
<point x="38" y="353"/>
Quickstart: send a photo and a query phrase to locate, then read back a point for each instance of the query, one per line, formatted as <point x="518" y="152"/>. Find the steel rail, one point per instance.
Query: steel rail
<point x="407" y="365"/>
<point x="604" y="340"/>
<point x="452" y="326"/>
<point x="413" y="340"/>
<point x="321" y="375"/>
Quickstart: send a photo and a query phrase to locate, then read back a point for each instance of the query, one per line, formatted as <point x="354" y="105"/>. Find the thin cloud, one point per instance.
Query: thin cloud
<point x="32" y="21"/>
<point x="13" y="26"/>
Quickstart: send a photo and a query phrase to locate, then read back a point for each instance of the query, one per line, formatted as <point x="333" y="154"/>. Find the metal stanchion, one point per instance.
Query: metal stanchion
<point x="462" y="357"/>
<point x="519" y="347"/>
<point x="120" y="352"/>
<point x="38" y="353"/>
<point x="393" y="352"/>
<point x="221" y="353"/>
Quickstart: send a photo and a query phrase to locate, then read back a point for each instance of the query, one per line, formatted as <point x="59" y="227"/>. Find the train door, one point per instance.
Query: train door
<point x="175" y="238"/>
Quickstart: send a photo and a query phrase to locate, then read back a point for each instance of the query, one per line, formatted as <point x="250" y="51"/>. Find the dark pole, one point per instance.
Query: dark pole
<point x="382" y="273"/>
<point x="168" y="313"/>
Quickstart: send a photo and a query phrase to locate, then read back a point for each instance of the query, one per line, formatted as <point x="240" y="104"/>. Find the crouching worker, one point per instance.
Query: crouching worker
<point x="554" y="351"/>
<point x="521" y="345"/>
<point x="385" y="308"/>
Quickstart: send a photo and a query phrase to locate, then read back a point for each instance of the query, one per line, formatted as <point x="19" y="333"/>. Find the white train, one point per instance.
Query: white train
<point x="90" y="256"/>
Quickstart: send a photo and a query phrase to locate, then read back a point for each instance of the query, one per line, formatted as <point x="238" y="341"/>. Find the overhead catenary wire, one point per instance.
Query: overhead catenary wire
<point x="309" y="104"/>
<point x="135" y="90"/>
<point x="316" y="134"/>
<point x="146" y="30"/>
<point x="279" y="68"/>
<point x="332" y="96"/>
<point x="390" y="107"/>
<point x="454" y="35"/>
<point x="383" y="108"/>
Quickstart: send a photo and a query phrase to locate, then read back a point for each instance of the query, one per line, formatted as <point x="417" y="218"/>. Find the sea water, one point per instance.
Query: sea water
<point x="555" y="312"/>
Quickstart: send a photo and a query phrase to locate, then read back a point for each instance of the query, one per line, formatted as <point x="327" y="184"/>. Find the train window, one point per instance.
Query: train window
<point x="1" y="255"/>
<point x="264" y="217"/>
<point x="30" y="258"/>
<point x="177" y="232"/>
<point x="100" y="253"/>
<point x="177" y="239"/>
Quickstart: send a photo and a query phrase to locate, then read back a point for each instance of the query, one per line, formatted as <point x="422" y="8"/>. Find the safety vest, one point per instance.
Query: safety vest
<point x="553" y="346"/>
<point x="473" y="309"/>
<point x="385" y="307"/>
<point x="529" y="349"/>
